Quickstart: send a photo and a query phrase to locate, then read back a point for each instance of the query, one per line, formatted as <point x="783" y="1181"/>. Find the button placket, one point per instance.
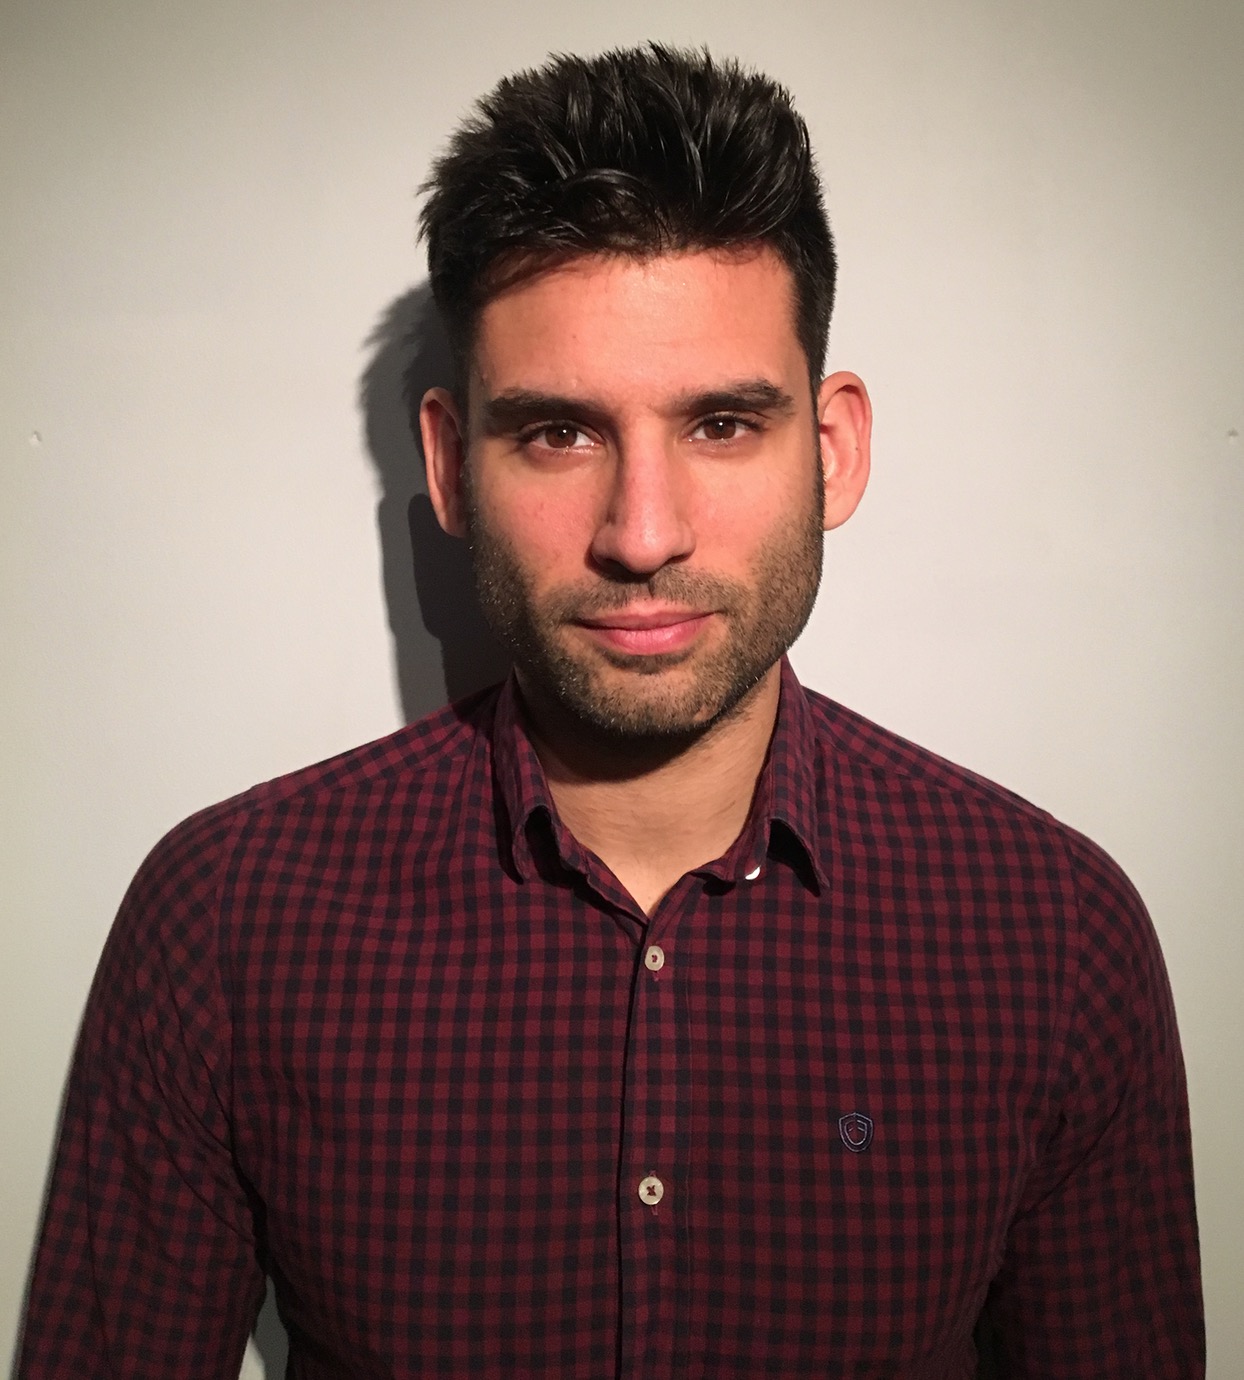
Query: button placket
<point x="649" y="1225"/>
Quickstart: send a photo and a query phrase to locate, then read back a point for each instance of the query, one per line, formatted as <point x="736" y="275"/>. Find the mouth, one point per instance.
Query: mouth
<point x="646" y="631"/>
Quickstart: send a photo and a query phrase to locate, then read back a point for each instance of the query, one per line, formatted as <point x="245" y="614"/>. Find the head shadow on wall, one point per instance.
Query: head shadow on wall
<point x="442" y="647"/>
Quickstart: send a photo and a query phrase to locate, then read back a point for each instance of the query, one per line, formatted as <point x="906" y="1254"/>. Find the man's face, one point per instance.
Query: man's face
<point x="643" y="486"/>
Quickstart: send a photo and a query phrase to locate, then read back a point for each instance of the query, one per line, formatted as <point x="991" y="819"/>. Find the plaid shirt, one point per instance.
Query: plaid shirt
<point x="904" y="1056"/>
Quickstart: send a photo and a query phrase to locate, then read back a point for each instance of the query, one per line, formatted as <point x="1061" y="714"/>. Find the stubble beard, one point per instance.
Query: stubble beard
<point x="649" y="703"/>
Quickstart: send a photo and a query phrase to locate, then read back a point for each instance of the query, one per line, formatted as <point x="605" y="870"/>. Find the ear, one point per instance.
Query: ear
<point x="444" y="458"/>
<point x="844" y="424"/>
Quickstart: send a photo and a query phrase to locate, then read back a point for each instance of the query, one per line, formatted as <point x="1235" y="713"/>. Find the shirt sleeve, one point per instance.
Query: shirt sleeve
<point x="1101" y="1276"/>
<point x="148" y="1263"/>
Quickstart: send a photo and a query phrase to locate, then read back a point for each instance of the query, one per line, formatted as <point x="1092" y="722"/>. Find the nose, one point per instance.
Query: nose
<point x="645" y="523"/>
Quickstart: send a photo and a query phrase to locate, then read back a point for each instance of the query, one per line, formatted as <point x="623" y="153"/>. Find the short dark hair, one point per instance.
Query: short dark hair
<point x="638" y="151"/>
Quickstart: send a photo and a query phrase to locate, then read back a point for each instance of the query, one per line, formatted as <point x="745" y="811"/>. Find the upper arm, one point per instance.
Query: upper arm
<point x="1101" y="1275"/>
<point x="148" y="1264"/>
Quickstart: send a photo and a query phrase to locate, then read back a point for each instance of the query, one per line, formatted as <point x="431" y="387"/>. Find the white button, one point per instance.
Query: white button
<point x="752" y="875"/>
<point x="654" y="958"/>
<point x="651" y="1190"/>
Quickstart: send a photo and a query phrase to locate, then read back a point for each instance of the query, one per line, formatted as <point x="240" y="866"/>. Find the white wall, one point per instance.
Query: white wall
<point x="207" y="211"/>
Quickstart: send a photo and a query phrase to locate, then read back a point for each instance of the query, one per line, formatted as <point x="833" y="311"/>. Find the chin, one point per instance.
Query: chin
<point x="646" y="713"/>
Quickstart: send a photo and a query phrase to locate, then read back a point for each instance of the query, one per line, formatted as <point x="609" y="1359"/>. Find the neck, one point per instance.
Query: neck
<point x="653" y="812"/>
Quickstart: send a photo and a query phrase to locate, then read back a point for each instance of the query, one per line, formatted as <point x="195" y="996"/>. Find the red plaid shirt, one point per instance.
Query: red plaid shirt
<point x="903" y="1057"/>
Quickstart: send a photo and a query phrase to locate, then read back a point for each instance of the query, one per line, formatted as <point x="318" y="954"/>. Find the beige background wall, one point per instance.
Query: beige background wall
<point x="208" y="209"/>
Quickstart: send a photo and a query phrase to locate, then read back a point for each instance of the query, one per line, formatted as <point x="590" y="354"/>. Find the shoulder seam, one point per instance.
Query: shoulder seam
<point x="939" y="774"/>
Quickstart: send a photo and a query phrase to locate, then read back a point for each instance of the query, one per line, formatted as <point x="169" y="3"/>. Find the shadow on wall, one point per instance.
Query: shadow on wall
<point x="428" y="587"/>
<point x="270" y="1344"/>
<point x="442" y="649"/>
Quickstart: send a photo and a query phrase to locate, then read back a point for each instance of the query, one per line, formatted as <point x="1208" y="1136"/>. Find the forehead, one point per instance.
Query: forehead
<point x="610" y="324"/>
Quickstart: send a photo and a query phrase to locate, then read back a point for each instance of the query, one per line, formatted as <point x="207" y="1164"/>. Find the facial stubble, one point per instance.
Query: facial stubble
<point x="647" y="702"/>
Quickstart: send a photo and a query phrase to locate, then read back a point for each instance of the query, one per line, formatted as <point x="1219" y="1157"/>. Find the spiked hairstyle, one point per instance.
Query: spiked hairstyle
<point x="638" y="151"/>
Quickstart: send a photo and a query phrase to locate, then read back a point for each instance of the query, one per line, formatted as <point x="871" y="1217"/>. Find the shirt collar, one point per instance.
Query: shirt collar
<point x="784" y="809"/>
<point x="536" y="835"/>
<point x="784" y="819"/>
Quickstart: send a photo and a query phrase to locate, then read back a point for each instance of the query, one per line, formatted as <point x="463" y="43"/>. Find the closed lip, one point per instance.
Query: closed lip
<point x="638" y="620"/>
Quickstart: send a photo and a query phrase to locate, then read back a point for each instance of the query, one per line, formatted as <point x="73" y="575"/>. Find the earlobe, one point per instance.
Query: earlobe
<point x="844" y="425"/>
<point x="444" y="458"/>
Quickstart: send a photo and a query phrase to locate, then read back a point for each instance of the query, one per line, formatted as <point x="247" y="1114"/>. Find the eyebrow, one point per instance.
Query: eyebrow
<point x="519" y="407"/>
<point x="751" y="395"/>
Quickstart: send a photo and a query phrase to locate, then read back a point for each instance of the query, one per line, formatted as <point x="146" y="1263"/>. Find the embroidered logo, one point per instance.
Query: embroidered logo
<point x="856" y="1131"/>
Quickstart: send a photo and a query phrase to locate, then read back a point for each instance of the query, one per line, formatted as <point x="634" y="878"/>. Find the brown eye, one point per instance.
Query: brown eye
<point x="720" y="428"/>
<point x="562" y="436"/>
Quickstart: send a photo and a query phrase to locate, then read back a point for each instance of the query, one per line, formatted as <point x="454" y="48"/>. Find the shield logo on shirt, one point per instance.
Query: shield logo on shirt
<point x="856" y="1131"/>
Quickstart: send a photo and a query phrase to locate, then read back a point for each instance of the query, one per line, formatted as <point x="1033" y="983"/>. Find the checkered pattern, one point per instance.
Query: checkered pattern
<point x="385" y="1030"/>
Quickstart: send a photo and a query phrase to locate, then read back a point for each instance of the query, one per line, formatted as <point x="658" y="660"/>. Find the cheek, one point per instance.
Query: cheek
<point x="734" y="521"/>
<point x="778" y="489"/>
<point x="547" y="530"/>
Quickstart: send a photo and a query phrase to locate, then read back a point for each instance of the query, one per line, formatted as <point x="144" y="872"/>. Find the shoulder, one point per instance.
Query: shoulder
<point x="414" y="773"/>
<point x="914" y="800"/>
<point x="430" y="747"/>
<point x="857" y="746"/>
<point x="886" y="766"/>
<point x="979" y="871"/>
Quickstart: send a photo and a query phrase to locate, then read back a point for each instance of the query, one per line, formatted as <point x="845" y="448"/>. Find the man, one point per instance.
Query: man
<point x="650" y="1016"/>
